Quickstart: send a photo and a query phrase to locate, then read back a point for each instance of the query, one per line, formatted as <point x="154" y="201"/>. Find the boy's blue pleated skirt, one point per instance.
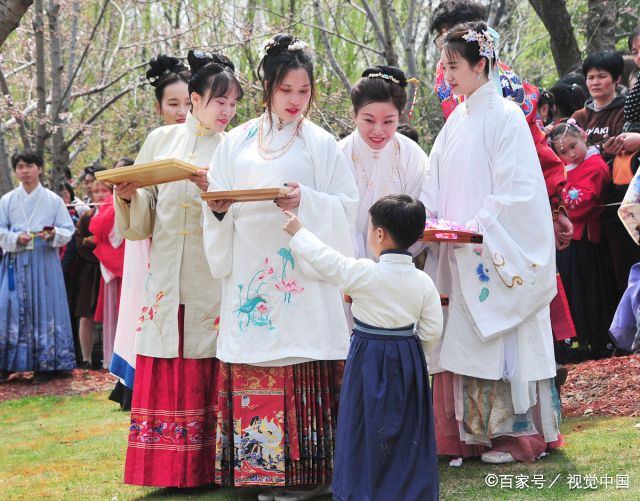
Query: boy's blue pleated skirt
<point x="385" y="439"/>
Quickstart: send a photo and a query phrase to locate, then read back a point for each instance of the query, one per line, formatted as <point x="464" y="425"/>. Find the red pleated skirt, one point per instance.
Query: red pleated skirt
<point x="173" y="421"/>
<point x="276" y="425"/>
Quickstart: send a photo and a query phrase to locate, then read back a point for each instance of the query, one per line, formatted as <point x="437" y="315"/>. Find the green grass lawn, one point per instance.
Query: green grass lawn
<point x="74" y="448"/>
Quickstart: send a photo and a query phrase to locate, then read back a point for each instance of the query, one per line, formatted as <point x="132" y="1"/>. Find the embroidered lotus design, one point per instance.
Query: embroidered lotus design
<point x="255" y="299"/>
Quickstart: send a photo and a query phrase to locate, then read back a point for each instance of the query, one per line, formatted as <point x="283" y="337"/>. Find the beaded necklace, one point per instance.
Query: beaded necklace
<point x="268" y="154"/>
<point x="395" y="165"/>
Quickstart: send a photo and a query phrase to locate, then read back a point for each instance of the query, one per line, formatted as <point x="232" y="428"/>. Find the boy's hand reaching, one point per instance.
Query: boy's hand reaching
<point x="293" y="224"/>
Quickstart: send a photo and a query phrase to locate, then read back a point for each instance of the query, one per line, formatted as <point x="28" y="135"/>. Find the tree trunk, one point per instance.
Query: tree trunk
<point x="11" y="12"/>
<point x="6" y="183"/>
<point x="41" y="89"/>
<point x="601" y="23"/>
<point x="59" y="151"/>
<point x="556" y="18"/>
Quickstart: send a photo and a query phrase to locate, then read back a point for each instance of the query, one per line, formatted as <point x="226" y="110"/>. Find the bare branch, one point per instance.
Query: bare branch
<point x="84" y="54"/>
<point x="327" y="47"/>
<point x="21" y="128"/>
<point x="374" y="22"/>
<point x="97" y="114"/>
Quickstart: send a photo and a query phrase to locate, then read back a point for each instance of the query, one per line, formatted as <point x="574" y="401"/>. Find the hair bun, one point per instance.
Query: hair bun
<point x="391" y="73"/>
<point x="278" y="44"/>
<point x="161" y="66"/>
<point x="199" y="59"/>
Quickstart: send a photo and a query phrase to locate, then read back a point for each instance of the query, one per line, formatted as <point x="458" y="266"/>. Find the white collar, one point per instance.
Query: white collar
<point x="396" y="258"/>
<point x="24" y="192"/>
<point x="479" y="98"/>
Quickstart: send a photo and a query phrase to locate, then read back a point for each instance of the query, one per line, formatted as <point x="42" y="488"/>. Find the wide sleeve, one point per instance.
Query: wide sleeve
<point x="429" y="328"/>
<point x="514" y="275"/>
<point x="340" y="271"/>
<point x="328" y="209"/>
<point x="134" y="220"/>
<point x="8" y="238"/>
<point x="629" y="211"/>
<point x="218" y="231"/>
<point x="62" y="223"/>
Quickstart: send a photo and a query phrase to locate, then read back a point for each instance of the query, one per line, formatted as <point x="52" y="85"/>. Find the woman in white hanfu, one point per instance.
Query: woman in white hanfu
<point x="283" y="335"/>
<point x="383" y="161"/>
<point x="172" y="412"/>
<point x="494" y="366"/>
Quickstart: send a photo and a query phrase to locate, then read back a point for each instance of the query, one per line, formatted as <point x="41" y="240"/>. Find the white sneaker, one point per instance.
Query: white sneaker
<point x="497" y="457"/>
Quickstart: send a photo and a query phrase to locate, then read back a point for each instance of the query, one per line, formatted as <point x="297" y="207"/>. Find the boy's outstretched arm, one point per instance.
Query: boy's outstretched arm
<point x="339" y="270"/>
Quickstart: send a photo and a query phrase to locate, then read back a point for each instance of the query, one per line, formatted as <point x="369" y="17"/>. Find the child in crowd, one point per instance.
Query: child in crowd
<point x="581" y="265"/>
<point x="385" y="442"/>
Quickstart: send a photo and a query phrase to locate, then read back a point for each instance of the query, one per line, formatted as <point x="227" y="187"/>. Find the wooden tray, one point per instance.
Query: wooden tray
<point x="452" y="236"/>
<point x="151" y="173"/>
<point x="256" y="195"/>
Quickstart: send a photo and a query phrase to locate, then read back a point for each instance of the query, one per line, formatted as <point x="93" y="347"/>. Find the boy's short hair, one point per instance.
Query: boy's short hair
<point x="448" y="13"/>
<point x="28" y="157"/>
<point x="400" y="215"/>
<point x="610" y="61"/>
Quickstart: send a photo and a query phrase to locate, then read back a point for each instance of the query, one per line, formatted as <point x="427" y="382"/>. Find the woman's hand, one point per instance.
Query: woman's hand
<point x="220" y="206"/>
<point x="200" y="180"/>
<point x="126" y="190"/>
<point x="293" y="224"/>
<point x="292" y="199"/>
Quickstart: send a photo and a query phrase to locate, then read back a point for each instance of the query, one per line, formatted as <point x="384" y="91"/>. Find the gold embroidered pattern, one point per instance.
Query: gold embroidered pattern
<point x="498" y="262"/>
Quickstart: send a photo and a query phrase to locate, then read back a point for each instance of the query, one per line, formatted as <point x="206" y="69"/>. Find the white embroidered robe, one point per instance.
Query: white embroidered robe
<point x="275" y="310"/>
<point x="485" y="173"/>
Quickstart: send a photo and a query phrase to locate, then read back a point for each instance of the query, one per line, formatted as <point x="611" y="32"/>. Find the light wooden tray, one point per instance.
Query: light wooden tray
<point x="452" y="236"/>
<point x="256" y="195"/>
<point x="151" y="173"/>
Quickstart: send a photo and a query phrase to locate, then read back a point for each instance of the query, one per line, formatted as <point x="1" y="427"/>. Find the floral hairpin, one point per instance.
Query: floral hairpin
<point x="384" y="76"/>
<point x="266" y="45"/>
<point x="297" y="45"/>
<point x="293" y="46"/>
<point x="201" y="54"/>
<point x="485" y="41"/>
